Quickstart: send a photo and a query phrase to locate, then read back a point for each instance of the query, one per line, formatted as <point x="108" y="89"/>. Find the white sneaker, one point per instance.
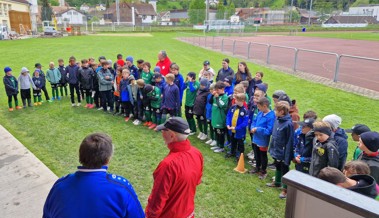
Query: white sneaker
<point x="73" y="105"/>
<point x="203" y="137"/>
<point x="108" y="108"/>
<point x="213" y="143"/>
<point x="78" y="104"/>
<point x="192" y="133"/>
<point x="251" y="157"/>
<point x="100" y="108"/>
<point x="214" y="147"/>
<point x="137" y="122"/>
<point x="218" y="150"/>
<point x="209" y="141"/>
<point x="250" y="153"/>
<point x="200" y="135"/>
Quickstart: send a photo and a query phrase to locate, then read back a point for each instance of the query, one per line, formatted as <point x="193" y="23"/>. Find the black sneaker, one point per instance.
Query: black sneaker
<point x="228" y="155"/>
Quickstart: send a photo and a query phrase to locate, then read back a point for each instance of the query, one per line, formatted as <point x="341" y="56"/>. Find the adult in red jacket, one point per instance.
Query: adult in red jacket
<point x="163" y="62"/>
<point x="177" y="175"/>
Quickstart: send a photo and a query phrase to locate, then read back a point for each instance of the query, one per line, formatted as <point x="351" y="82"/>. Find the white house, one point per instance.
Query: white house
<point x="365" y="10"/>
<point x="71" y="16"/>
<point x="84" y="7"/>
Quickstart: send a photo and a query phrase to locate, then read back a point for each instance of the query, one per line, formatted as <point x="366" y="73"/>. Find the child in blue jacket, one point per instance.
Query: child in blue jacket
<point x="304" y="146"/>
<point x="208" y="115"/>
<point x="11" y="88"/>
<point x="261" y="128"/>
<point x="236" y="121"/>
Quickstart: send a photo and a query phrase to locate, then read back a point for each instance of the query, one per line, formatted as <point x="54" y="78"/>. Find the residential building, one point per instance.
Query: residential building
<point x="365" y="10"/>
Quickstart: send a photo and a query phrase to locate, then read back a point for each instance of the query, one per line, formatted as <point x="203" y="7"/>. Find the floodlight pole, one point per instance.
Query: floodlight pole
<point x="118" y="11"/>
<point x="207" y="10"/>
<point x="309" y="15"/>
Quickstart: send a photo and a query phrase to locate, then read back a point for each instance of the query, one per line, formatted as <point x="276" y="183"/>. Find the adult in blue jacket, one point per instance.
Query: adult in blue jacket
<point x="91" y="191"/>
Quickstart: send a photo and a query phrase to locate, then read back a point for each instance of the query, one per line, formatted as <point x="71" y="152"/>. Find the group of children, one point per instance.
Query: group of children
<point x="224" y="107"/>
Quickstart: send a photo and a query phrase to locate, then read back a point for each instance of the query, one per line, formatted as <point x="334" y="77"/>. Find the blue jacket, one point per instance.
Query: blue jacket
<point x="281" y="145"/>
<point x="304" y="148"/>
<point x="252" y="109"/>
<point x="11" y="88"/>
<point x="341" y="140"/>
<point x="38" y="82"/>
<point x="92" y="193"/>
<point x="62" y="70"/>
<point x="126" y="93"/>
<point x="72" y="74"/>
<point x="171" y="97"/>
<point x="208" y="107"/>
<point x="242" y="121"/>
<point x="179" y="81"/>
<point x="264" y="124"/>
<point x="161" y="85"/>
<point x="229" y="90"/>
<point x="134" y="71"/>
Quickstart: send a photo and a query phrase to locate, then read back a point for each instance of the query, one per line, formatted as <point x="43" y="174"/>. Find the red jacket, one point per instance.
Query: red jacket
<point x="175" y="181"/>
<point x="165" y="66"/>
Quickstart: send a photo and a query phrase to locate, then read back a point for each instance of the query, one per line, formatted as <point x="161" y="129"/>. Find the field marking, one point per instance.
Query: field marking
<point x="125" y="34"/>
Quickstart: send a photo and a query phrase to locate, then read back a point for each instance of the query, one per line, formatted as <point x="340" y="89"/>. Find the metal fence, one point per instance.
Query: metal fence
<point x="356" y="70"/>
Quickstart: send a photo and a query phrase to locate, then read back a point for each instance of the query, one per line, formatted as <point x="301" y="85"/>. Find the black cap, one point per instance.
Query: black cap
<point x="307" y="122"/>
<point x="358" y="129"/>
<point x="157" y="75"/>
<point x="37" y="65"/>
<point x="371" y="140"/>
<point x="148" y="88"/>
<point x="176" y="124"/>
<point x="206" y="63"/>
<point x="102" y="58"/>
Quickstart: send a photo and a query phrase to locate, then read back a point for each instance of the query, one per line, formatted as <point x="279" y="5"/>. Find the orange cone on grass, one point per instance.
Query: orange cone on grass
<point x="241" y="165"/>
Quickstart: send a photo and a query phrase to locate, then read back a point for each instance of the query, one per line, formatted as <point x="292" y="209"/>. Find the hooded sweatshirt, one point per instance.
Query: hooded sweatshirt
<point x="373" y="162"/>
<point x="53" y="75"/>
<point x="341" y="140"/>
<point x="11" y="85"/>
<point x="199" y="108"/>
<point x="25" y="81"/>
<point x="366" y="185"/>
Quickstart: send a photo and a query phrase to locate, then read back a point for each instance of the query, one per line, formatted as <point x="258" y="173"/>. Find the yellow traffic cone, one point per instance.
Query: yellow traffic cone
<point x="241" y="165"/>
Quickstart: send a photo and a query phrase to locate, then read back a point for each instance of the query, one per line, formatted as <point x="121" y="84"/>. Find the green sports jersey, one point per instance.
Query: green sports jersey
<point x="356" y="154"/>
<point x="155" y="97"/>
<point x="219" y="110"/>
<point x="147" y="77"/>
<point x="191" y="91"/>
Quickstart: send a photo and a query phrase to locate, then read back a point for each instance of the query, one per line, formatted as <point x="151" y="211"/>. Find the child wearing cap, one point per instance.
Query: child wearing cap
<point x="171" y="98"/>
<point x="126" y="95"/>
<point x="356" y="131"/>
<point x="208" y="114"/>
<point x="26" y="83"/>
<point x="132" y="68"/>
<point x="339" y="136"/>
<point x="324" y="153"/>
<point x="38" y="82"/>
<point x="154" y="95"/>
<point x="303" y="148"/>
<point x="219" y="110"/>
<point x="199" y="108"/>
<point x="369" y="144"/>
<point x="11" y="88"/>
<point x="224" y="71"/>
<point x="63" y="81"/>
<point x="261" y="128"/>
<point x="229" y="87"/>
<point x="53" y="75"/>
<point x="207" y="72"/>
<point x="191" y="86"/>
<point x="147" y="75"/>
<point x="281" y="145"/>
<point x="86" y="80"/>
<point x="236" y="122"/>
<point x="179" y="82"/>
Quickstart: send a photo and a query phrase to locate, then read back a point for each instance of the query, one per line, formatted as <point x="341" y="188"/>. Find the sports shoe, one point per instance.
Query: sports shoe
<point x="86" y="106"/>
<point x="73" y="105"/>
<point x="127" y="119"/>
<point x="203" y="137"/>
<point x="253" y="171"/>
<point x="227" y="144"/>
<point x="59" y="98"/>
<point x="192" y="133"/>
<point x="262" y="176"/>
<point x="200" y="134"/>
<point x="39" y="103"/>
<point x="10" y="109"/>
<point x="100" y="108"/>
<point x="35" y="104"/>
<point x="229" y="155"/>
<point x="218" y="150"/>
<point x="78" y="104"/>
<point x="50" y="101"/>
<point x="214" y="147"/>
<point x="91" y="106"/>
<point x="146" y="123"/>
<point x="251" y="157"/>
<point x="209" y="141"/>
<point x="283" y="194"/>
<point x="18" y="107"/>
<point x="213" y="143"/>
<point x="137" y="122"/>
<point x="152" y="126"/>
<point x="272" y="185"/>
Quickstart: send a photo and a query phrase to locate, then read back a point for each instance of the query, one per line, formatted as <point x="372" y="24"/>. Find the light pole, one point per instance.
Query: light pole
<point x="118" y="11"/>
<point x="309" y="15"/>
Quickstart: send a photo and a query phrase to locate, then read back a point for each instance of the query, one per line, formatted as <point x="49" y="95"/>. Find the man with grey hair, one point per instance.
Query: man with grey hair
<point x="163" y="62"/>
<point x="177" y="175"/>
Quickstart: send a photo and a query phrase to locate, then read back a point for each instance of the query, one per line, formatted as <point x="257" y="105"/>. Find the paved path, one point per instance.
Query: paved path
<point x="24" y="182"/>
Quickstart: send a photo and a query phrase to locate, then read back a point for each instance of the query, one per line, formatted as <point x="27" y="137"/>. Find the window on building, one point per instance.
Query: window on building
<point x="9" y="7"/>
<point x="1" y="9"/>
<point x="75" y="13"/>
<point x="5" y="10"/>
<point x="152" y="17"/>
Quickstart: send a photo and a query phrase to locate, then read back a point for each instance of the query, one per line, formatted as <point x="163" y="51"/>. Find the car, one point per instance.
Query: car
<point x="49" y="30"/>
<point x="4" y="33"/>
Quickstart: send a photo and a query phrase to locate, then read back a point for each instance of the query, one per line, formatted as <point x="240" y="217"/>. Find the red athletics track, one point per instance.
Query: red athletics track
<point x="357" y="72"/>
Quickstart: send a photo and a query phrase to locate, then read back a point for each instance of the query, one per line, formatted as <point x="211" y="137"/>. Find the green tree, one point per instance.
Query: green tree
<point x="220" y="11"/>
<point x="360" y="2"/>
<point x="196" y="11"/>
<point x="54" y="3"/>
<point x="231" y="10"/>
<point x="46" y="10"/>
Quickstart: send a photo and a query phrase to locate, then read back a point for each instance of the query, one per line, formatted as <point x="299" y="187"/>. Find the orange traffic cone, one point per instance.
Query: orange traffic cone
<point x="241" y="165"/>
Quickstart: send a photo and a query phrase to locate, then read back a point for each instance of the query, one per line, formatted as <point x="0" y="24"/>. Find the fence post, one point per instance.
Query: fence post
<point x="295" y="61"/>
<point x="222" y="45"/>
<point x="248" y="50"/>
<point x="335" y="79"/>
<point x="199" y="41"/>
<point x="234" y="46"/>
<point x="268" y="54"/>
<point x="205" y="41"/>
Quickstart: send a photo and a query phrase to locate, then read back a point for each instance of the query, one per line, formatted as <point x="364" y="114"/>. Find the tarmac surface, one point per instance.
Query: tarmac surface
<point x="25" y="181"/>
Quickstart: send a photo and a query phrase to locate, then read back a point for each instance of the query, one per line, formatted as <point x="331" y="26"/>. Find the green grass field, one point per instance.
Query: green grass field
<point x="368" y="35"/>
<point x="54" y="131"/>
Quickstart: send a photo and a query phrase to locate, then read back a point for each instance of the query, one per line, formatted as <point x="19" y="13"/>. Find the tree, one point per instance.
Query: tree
<point x="196" y="11"/>
<point x="46" y="10"/>
<point x="220" y="11"/>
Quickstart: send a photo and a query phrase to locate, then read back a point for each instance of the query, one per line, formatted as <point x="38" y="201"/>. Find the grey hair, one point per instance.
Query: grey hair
<point x="180" y="137"/>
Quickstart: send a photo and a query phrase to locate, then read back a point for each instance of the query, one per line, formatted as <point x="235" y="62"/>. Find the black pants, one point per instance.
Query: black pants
<point x="220" y="137"/>
<point x="46" y="93"/>
<point x="188" y="112"/>
<point x="127" y="107"/>
<point x="237" y="144"/>
<point x="260" y="158"/>
<point x="25" y="94"/>
<point x="97" y="98"/>
<point x="74" y="87"/>
<point x="107" y="100"/>
<point x="10" y="98"/>
<point x="138" y="110"/>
